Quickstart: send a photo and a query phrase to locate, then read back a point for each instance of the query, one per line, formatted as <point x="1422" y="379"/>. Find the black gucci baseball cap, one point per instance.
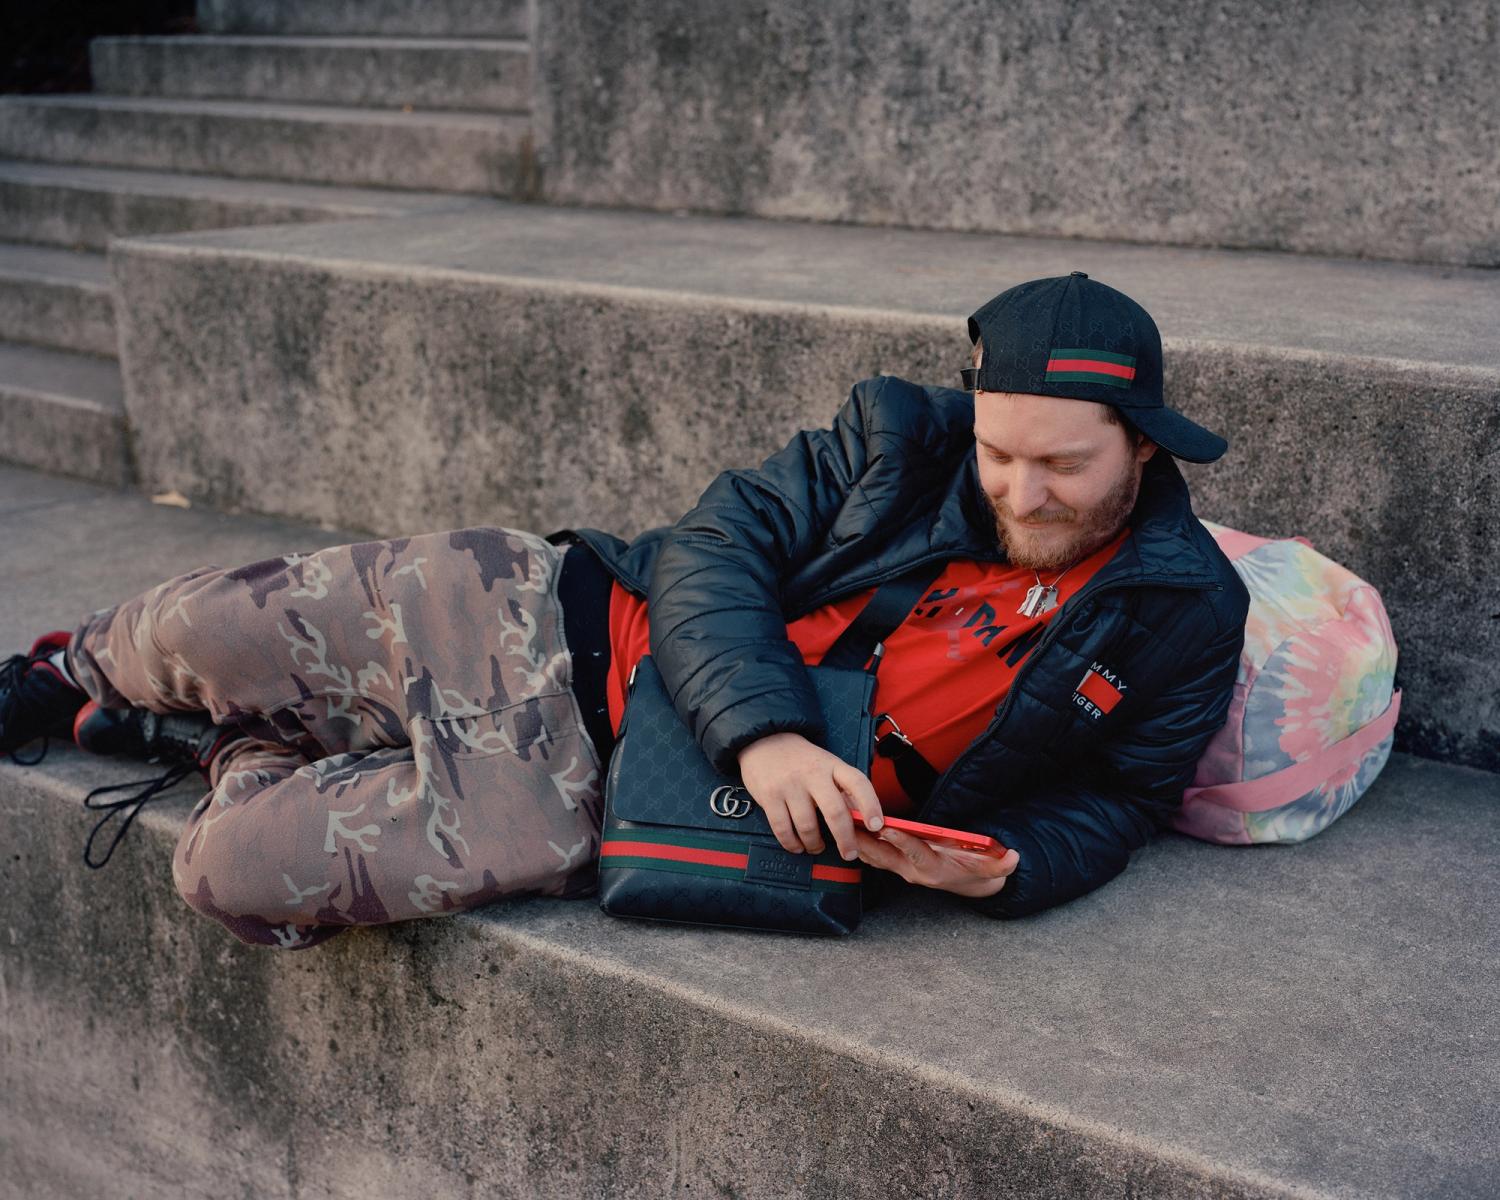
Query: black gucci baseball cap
<point x="1069" y="335"/>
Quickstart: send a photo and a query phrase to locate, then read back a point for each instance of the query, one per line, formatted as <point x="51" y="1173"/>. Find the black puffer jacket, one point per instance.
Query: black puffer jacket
<point x="894" y="483"/>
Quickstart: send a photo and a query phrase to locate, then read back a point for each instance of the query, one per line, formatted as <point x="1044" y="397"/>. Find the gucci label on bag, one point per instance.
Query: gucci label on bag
<point x="772" y="864"/>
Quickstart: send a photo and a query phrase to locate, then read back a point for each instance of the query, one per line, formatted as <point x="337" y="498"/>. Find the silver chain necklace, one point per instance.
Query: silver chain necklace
<point x="1042" y="598"/>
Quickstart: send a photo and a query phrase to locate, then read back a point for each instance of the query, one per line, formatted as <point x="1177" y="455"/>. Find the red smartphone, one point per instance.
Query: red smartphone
<point x="939" y="835"/>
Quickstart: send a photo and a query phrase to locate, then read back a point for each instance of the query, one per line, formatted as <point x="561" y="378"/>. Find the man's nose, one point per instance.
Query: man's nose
<point x="1026" y="491"/>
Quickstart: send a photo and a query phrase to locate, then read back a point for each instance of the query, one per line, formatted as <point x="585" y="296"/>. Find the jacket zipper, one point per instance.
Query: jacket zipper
<point x="1053" y="629"/>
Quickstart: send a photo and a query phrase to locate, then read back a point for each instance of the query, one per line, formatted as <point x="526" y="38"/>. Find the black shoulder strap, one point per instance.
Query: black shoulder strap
<point x="893" y="600"/>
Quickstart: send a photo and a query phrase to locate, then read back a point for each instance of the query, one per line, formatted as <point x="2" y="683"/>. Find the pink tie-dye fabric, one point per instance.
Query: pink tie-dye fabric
<point x="1319" y="664"/>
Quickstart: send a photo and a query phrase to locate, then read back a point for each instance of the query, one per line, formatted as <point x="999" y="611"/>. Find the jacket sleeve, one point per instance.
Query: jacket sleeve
<point x="718" y="631"/>
<point x="1075" y="836"/>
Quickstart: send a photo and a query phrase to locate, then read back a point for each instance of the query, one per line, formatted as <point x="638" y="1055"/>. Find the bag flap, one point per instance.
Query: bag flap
<point x="659" y="776"/>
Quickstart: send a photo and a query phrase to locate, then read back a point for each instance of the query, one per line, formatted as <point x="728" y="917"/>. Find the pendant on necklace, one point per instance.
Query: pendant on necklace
<point x="1039" y="599"/>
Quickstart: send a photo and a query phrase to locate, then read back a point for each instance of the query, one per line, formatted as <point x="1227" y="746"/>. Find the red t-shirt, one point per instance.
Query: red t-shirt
<point x="946" y="668"/>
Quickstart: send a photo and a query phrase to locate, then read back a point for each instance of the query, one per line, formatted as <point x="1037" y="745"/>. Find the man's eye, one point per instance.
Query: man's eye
<point x="995" y="457"/>
<point x="1066" y="468"/>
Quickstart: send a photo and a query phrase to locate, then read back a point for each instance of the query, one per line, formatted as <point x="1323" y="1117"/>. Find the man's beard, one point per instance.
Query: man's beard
<point x="1088" y="531"/>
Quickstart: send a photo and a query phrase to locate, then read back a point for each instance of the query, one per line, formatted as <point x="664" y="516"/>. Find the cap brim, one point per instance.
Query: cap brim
<point x="1175" y="434"/>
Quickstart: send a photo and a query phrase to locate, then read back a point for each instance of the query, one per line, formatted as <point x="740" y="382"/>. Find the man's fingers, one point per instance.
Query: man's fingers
<point x="875" y="852"/>
<point x="857" y="786"/>
<point x="836" y="813"/>
<point x="805" y="818"/>
<point x="913" y="849"/>
<point x="981" y="864"/>
<point x="780" y="822"/>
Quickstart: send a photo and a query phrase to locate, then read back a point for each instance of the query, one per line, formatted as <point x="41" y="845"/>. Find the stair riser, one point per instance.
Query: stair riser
<point x="86" y="218"/>
<point x="1363" y="129"/>
<point x="291" y="389"/>
<point x="571" y="1081"/>
<point x="270" y="147"/>
<point x="77" y="440"/>
<point x="465" y="78"/>
<point x="394" y="18"/>
<point x="63" y="315"/>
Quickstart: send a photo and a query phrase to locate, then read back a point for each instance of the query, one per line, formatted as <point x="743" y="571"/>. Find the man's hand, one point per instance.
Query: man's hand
<point x="947" y="868"/>
<point x="794" y="780"/>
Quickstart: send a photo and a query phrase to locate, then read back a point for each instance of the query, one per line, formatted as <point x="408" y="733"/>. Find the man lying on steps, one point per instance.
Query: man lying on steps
<point x="405" y="728"/>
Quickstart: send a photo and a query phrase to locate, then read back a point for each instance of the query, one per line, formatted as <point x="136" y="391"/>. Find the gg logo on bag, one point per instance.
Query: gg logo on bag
<point x="730" y="802"/>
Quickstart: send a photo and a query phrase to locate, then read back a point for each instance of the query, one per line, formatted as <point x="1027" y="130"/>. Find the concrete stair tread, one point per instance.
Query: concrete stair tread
<point x="331" y="41"/>
<point x="1304" y="1020"/>
<point x="79" y="380"/>
<point x="53" y="264"/>
<point x="378" y="201"/>
<point x="456" y="150"/>
<point x="52" y="296"/>
<point x="515" y="124"/>
<point x="485" y="18"/>
<point x="341" y="200"/>
<point x="377" y="73"/>
<point x="1440" y="317"/>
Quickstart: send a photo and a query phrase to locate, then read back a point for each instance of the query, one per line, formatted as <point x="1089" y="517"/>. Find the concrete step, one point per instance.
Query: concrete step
<point x="590" y="367"/>
<point x="63" y="412"/>
<point x="389" y="18"/>
<point x="1312" y="1021"/>
<point x="426" y="73"/>
<point x="447" y="151"/>
<point x="1358" y="129"/>
<point x="83" y="207"/>
<point x="58" y="298"/>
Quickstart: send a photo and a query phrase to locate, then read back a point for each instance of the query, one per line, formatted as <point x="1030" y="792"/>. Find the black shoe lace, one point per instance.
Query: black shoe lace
<point x="12" y="671"/>
<point x="151" y="789"/>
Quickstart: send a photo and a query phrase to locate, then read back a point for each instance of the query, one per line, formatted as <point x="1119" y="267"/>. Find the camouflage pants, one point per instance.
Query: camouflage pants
<point x="415" y="745"/>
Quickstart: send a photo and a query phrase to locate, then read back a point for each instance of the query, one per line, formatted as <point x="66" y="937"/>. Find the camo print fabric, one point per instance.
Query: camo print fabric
<point x="415" y="745"/>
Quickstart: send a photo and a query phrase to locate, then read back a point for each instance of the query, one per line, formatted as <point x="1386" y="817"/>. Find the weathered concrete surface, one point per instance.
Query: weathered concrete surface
<point x="1308" y="1021"/>
<point x="388" y="18"/>
<point x="449" y="151"/>
<point x="83" y="207"/>
<point x="487" y="74"/>
<point x="1365" y="129"/>
<point x="557" y="367"/>
<point x="63" y="412"/>
<point x="55" y="297"/>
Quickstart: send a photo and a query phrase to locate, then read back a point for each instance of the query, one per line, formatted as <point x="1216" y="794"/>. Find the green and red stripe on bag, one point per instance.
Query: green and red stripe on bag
<point x="716" y="858"/>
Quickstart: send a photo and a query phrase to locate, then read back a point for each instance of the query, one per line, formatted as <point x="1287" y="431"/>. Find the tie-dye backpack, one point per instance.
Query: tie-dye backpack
<point x="1310" y="724"/>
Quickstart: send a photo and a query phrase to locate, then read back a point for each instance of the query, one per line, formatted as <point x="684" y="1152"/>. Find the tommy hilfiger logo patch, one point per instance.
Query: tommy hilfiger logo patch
<point x="1098" y="691"/>
<point x="1090" y="366"/>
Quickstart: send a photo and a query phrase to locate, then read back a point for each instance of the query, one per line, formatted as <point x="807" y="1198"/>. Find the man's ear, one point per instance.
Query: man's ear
<point x="1145" y="450"/>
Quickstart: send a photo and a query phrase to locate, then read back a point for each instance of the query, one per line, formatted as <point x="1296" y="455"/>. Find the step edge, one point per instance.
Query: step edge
<point x="166" y="826"/>
<point x="312" y="41"/>
<point x="144" y="180"/>
<point x="465" y="119"/>
<point x="161" y="246"/>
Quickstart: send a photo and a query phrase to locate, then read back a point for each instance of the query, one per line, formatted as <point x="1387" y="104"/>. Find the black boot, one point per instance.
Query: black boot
<point x="188" y="741"/>
<point x="179" y="737"/>
<point x="36" y="701"/>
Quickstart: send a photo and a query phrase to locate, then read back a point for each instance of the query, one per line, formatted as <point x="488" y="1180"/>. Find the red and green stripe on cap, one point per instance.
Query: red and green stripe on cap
<point x="1090" y="366"/>
<point x="704" y="854"/>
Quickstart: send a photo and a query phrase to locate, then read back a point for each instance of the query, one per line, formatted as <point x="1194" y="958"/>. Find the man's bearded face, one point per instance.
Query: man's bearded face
<point x="1061" y="482"/>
